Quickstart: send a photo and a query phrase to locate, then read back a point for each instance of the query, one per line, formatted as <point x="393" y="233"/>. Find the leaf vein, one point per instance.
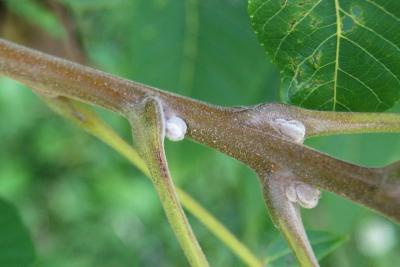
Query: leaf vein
<point x="373" y="57"/>
<point x="308" y="57"/>
<point x="372" y="30"/>
<point x="338" y="36"/>
<point x="343" y="105"/>
<point x="276" y="14"/>
<point x="313" y="90"/>
<point x="383" y="9"/>
<point x="291" y="30"/>
<point x="363" y="84"/>
<point x="259" y="8"/>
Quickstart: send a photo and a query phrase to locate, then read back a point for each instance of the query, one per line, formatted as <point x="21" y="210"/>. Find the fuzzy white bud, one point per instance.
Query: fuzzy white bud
<point x="175" y="128"/>
<point x="291" y="193"/>
<point x="305" y="195"/>
<point x="292" y="129"/>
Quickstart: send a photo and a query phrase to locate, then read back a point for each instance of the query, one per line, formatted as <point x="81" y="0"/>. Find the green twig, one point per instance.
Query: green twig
<point x="89" y="121"/>
<point x="322" y="123"/>
<point x="286" y="216"/>
<point x="148" y="129"/>
<point x="219" y="230"/>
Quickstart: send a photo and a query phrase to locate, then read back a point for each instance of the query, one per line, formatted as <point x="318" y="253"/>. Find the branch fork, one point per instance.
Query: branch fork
<point x="268" y="138"/>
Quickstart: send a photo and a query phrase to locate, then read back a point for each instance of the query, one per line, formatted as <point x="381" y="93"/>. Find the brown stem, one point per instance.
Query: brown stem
<point x="286" y="215"/>
<point x="243" y="133"/>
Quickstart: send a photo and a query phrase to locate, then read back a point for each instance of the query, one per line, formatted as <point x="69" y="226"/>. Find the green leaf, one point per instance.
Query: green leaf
<point x="16" y="248"/>
<point x="333" y="54"/>
<point x="279" y="254"/>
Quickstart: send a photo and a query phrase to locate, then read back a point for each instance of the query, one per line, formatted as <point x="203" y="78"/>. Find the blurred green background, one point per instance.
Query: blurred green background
<point x="85" y="205"/>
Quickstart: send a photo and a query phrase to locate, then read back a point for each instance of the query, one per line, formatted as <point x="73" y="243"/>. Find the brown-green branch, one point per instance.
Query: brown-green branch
<point x="247" y="134"/>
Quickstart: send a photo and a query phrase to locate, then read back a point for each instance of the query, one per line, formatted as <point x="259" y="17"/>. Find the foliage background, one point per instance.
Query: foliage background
<point x="84" y="205"/>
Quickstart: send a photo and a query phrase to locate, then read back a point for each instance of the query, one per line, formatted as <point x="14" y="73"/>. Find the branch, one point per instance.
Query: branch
<point x="148" y="128"/>
<point x="263" y="137"/>
<point x="89" y="121"/>
<point x="319" y="123"/>
<point x="238" y="132"/>
<point x="286" y="215"/>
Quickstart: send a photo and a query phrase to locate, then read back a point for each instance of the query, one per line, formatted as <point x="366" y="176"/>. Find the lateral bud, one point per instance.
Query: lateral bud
<point x="175" y="128"/>
<point x="303" y="194"/>
<point x="292" y="129"/>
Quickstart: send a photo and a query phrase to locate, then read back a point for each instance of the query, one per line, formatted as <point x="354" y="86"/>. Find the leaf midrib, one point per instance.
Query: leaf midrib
<point x="338" y="37"/>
